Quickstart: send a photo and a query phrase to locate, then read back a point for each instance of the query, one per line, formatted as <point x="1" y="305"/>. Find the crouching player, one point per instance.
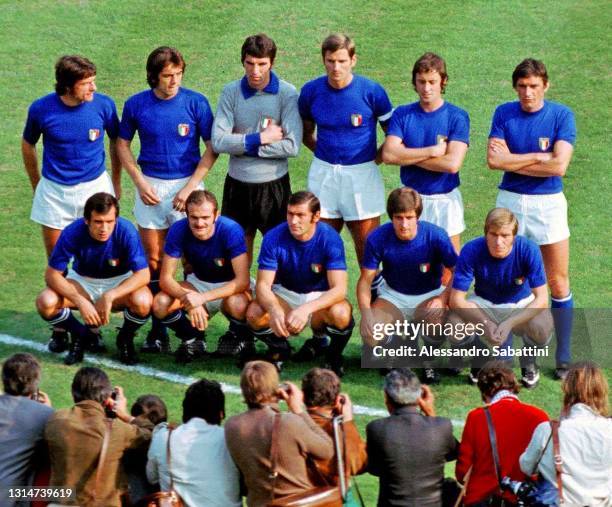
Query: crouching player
<point x="108" y="273"/>
<point x="413" y="254"/>
<point x="509" y="289"/>
<point x="214" y="246"/>
<point x="302" y="280"/>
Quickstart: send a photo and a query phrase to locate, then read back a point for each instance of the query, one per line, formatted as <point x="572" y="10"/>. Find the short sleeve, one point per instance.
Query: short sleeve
<point x="32" y="130"/>
<point x="236" y="244"/>
<point x="128" y="125"/>
<point x="63" y="252"/>
<point x="335" y="253"/>
<point x="304" y="104"/>
<point x="567" y="127"/>
<point x="173" y="246"/>
<point x="136" y="255"/>
<point x="535" y="266"/>
<point x="383" y="109"/>
<point x="267" y="255"/>
<point x="460" y="128"/>
<point x="464" y="271"/>
<point x="371" y="256"/>
<point x="448" y="254"/>
<point x="395" y="127"/>
<point x="111" y="120"/>
<point x="497" y="125"/>
<point x="205" y="120"/>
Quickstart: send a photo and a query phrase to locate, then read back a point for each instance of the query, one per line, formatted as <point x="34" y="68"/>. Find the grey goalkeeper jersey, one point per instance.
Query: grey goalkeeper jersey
<point x="238" y="116"/>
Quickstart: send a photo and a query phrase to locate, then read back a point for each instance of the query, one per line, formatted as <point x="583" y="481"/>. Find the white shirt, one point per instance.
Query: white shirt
<point x="203" y="471"/>
<point x="585" y="441"/>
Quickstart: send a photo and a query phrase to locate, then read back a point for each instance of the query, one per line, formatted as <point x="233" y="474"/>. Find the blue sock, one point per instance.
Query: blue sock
<point x="563" y="316"/>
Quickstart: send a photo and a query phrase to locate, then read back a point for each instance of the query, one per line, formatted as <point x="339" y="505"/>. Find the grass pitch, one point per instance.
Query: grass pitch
<point x="481" y="41"/>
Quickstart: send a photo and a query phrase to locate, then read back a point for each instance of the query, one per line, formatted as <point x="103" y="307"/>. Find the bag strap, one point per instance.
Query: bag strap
<point x="554" y="426"/>
<point x="493" y="441"/>
<point x="108" y="426"/>
<point x="466" y="480"/>
<point x="274" y="452"/>
<point x="168" y="458"/>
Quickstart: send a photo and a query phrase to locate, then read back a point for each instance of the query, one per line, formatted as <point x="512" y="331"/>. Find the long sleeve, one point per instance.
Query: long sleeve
<point x="291" y="123"/>
<point x="224" y="140"/>
<point x="312" y="439"/>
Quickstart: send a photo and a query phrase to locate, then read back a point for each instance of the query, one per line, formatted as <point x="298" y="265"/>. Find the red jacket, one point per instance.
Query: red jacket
<point x="514" y="424"/>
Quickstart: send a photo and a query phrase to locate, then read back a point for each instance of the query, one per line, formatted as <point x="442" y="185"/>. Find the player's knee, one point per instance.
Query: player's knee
<point x="47" y="303"/>
<point x="340" y="314"/>
<point x="559" y="285"/>
<point x="236" y="306"/>
<point x="255" y="316"/>
<point x="140" y="302"/>
<point x="161" y="303"/>
<point x="540" y="334"/>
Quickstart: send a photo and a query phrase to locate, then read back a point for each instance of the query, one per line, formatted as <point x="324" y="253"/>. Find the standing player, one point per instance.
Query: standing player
<point x="258" y="124"/>
<point x="214" y="247"/>
<point x="413" y="254"/>
<point x="532" y="141"/>
<point x="302" y="280"/>
<point x="509" y="289"/>
<point x="108" y="273"/>
<point x="429" y="139"/>
<point x="72" y="122"/>
<point x="170" y="120"/>
<point x="345" y="108"/>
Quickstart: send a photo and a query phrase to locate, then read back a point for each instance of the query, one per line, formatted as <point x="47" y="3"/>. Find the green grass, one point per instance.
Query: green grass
<point x="481" y="41"/>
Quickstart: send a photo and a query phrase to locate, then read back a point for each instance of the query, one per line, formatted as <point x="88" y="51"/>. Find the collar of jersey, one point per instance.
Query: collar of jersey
<point x="248" y="92"/>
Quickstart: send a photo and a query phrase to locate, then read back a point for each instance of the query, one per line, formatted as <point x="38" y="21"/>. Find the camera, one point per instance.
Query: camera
<point x="522" y="490"/>
<point x="109" y="408"/>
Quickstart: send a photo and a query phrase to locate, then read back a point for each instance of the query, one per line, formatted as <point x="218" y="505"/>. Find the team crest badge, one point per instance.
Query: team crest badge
<point x="316" y="268"/>
<point x="94" y="134"/>
<point x="183" y="129"/>
<point x="265" y="121"/>
<point x="113" y="262"/>
<point x="544" y="143"/>
<point x="219" y="262"/>
<point x="440" y="138"/>
<point x="424" y="267"/>
<point x="519" y="281"/>
<point x="356" y="120"/>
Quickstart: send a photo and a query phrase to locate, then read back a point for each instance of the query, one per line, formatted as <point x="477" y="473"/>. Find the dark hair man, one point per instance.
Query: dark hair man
<point x="408" y="449"/>
<point x="108" y="273"/>
<point x="202" y="468"/>
<point x="532" y="141"/>
<point x="302" y="281"/>
<point x="75" y="436"/>
<point x="170" y="121"/>
<point x="72" y="122"/>
<point x="257" y="123"/>
<point x="324" y="401"/>
<point x="24" y="411"/>
<point x="429" y="140"/>
<point x="214" y="247"/>
<point x="413" y="254"/>
<point x="345" y="109"/>
<point x="509" y="290"/>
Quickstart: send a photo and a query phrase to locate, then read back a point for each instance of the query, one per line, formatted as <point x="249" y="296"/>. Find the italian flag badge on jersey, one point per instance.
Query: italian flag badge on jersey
<point x="520" y="280"/>
<point x="544" y="143"/>
<point x="265" y="121"/>
<point x="113" y="262"/>
<point x="356" y="120"/>
<point x="424" y="267"/>
<point x="94" y="134"/>
<point x="183" y="129"/>
<point x="441" y="138"/>
<point x="219" y="262"/>
<point x="316" y="268"/>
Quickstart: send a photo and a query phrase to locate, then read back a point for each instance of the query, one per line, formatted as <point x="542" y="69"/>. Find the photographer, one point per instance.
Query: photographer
<point x="408" y="449"/>
<point x="323" y="402"/>
<point x="585" y="440"/>
<point x="249" y="437"/>
<point x="75" y="438"/>
<point x="24" y="411"/>
<point x="513" y="422"/>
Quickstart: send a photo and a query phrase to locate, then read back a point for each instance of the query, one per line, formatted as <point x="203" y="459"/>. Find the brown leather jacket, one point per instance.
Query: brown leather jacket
<point x="356" y="456"/>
